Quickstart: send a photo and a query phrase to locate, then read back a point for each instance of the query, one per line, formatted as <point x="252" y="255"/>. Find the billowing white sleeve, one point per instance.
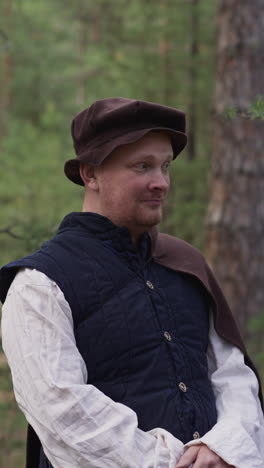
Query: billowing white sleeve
<point x="238" y="435"/>
<point x="77" y="424"/>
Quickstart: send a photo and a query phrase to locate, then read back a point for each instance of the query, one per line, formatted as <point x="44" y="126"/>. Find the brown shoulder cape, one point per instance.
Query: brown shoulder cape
<point x="178" y="255"/>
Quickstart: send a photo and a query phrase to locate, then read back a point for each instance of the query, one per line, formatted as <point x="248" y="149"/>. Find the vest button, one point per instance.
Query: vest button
<point x="149" y="284"/>
<point x="167" y="336"/>
<point x="182" y="387"/>
<point x="196" y="435"/>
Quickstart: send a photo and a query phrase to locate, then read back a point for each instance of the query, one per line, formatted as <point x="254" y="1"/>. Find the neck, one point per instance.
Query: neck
<point x="91" y="205"/>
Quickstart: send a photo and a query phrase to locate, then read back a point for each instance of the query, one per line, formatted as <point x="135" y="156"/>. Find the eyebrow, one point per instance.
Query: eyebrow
<point x="151" y="156"/>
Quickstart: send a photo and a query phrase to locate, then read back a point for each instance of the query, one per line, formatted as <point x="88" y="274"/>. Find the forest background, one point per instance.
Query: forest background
<point x="57" y="57"/>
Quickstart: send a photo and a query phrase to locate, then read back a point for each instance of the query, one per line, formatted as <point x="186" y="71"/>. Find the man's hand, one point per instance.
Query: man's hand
<point x="200" y="456"/>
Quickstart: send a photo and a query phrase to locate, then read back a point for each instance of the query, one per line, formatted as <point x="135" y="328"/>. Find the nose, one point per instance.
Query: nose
<point x="160" y="180"/>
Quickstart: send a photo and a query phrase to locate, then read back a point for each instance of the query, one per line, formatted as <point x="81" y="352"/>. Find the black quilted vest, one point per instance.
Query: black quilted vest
<point x="141" y="328"/>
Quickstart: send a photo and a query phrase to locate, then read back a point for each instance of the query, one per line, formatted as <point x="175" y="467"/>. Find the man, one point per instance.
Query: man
<point x="122" y="349"/>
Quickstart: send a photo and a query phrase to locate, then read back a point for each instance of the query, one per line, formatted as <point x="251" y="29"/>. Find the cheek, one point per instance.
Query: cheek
<point x="131" y="187"/>
<point x="167" y="183"/>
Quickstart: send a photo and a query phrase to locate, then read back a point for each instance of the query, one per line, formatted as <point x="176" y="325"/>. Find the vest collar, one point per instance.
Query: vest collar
<point x="96" y="225"/>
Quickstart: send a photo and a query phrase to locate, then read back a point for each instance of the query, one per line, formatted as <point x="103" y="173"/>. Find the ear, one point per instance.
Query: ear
<point x="88" y="176"/>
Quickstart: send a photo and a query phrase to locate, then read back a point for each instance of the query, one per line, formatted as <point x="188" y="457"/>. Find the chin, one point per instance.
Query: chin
<point x="151" y="220"/>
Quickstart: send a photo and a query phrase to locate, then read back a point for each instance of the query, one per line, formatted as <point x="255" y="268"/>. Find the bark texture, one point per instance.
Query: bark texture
<point x="235" y="222"/>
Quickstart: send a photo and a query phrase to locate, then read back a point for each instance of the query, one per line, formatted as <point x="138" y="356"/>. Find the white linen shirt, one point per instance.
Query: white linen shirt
<point x="81" y="427"/>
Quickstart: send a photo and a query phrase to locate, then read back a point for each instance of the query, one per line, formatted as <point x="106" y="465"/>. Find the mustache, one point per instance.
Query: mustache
<point x="159" y="197"/>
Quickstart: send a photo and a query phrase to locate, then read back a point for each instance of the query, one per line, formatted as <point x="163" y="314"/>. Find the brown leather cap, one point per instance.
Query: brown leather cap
<point x="109" y="123"/>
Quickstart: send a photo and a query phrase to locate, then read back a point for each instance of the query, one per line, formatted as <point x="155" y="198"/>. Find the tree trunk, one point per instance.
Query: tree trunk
<point x="193" y="72"/>
<point x="164" y="50"/>
<point x="81" y="82"/>
<point x="235" y="223"/>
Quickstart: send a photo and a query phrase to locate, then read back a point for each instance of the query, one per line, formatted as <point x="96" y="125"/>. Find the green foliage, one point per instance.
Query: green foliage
<point x="61" y="56"/>
<point x="255" y="342"/>
<point x="64" y="58"/>
<point x="187" y="201"/>
<point x="256" y="324"/>
<point x="256" y="110"/>
<point x="34" y="193"/>
<point x="230" y="113"/>
<point x="13" y="423"/>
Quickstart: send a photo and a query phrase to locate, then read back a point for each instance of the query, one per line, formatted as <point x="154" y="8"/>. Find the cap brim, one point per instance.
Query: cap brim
<point x="95" y="156"/>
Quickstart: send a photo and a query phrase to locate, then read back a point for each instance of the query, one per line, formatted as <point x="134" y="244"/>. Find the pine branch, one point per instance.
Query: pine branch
<point x="8" y="230"/>
<point x="254" y="112"/>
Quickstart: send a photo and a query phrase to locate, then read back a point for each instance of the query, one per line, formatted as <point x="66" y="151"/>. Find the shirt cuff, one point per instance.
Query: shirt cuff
<point x="175" y="446"/>
<point x="232" y="443"/>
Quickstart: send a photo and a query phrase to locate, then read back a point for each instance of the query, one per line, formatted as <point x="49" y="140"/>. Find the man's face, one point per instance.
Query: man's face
<point x="134" y="181"/>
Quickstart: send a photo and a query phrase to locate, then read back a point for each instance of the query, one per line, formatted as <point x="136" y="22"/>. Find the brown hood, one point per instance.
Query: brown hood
<point x="178" y="255"/>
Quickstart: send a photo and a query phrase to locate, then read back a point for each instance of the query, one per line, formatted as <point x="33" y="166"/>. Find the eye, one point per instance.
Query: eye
<point x="141" y="165"/>
<point x="166" y="166"/>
